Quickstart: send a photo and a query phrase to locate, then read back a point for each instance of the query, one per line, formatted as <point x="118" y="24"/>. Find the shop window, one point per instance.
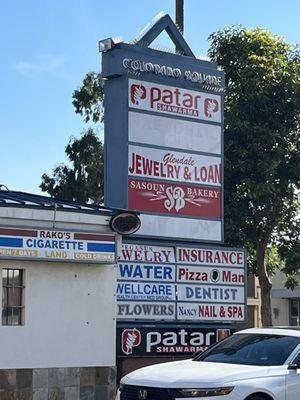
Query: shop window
<point x="12" y="296"/>
<point x="295" y="312"/>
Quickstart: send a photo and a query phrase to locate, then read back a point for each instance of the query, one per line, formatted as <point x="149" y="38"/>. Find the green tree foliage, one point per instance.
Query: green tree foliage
<point x="82" y="178"/>
<point x="262" y="147"/>
<point x="88" y="99"/>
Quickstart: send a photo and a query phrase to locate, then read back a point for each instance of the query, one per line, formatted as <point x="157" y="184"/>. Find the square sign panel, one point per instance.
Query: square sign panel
<point x="180" y="283"/>
<point x="164" y="142"/>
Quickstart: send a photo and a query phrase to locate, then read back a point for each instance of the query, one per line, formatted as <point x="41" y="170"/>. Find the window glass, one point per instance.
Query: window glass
<point x="295" y="312"/>
<point x="294" y="308"/>
<point x="251" y="349"/>
<point x="4" y="277"/>
<point x="12" y="296"/>
<point x="16" y="280"/>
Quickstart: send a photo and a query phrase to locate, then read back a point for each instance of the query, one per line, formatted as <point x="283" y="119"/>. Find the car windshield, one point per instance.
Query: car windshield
<point x="251" y="349"/>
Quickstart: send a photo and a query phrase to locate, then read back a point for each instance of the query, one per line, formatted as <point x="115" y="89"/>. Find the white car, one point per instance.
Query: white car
<point x="254" y="364"/>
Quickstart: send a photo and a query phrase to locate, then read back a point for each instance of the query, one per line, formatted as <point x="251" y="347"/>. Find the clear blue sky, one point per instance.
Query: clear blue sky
<point x="48" y="46"/>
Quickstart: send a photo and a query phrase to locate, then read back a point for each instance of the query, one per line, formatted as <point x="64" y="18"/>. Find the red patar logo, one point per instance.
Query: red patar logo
<point x="137" y="93"/>
<point x="130" y="338"/>
<point x="211" y="106"/>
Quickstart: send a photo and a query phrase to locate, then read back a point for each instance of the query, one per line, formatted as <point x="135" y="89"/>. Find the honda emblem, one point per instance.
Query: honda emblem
<point x="142" y="393"/>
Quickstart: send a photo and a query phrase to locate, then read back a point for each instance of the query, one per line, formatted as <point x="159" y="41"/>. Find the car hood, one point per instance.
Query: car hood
<point x="188" y="373"/>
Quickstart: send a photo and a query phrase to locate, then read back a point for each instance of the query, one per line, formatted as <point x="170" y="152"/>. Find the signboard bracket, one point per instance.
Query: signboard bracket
<point x="166" y="23"/>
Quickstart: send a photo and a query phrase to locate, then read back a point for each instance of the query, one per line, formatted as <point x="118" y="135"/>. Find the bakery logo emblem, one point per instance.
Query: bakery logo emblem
<point x="211" y="106"/>
<point x="137" y="93"/>
<point x="130" y="338"/>
<point x="176" y="198"/>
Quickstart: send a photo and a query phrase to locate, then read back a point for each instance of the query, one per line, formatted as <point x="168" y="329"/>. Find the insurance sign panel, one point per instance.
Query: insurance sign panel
<point x="55" y="245"/>
<point x="181" y="283"/>
<point x="164" y="151"/>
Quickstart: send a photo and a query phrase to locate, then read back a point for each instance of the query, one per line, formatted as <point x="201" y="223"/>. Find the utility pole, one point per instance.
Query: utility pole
<point x="179" y="17"/>
<point x="179" y="14"/>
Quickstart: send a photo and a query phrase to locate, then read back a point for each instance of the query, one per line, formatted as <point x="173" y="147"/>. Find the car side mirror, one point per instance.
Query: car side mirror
<point x="293" y="366"/>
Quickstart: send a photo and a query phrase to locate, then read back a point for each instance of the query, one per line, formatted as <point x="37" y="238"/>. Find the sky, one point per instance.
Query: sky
<point x="48" y="46"/>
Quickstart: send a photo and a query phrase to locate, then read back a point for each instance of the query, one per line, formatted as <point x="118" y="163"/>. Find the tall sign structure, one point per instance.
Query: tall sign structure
<point x="164" y="158"/>
<point x="163" y="138"/>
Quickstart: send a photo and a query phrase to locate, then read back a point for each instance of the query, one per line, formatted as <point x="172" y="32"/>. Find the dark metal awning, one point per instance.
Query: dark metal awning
<point x="10" y="198"/>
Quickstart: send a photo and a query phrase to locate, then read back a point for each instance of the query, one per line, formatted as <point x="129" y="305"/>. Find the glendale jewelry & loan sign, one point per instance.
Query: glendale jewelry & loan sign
<point x="177" y="283"/>
<point x="164" y="141"/>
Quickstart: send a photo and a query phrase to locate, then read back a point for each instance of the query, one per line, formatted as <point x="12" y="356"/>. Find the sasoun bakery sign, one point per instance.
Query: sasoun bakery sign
<point x="164" y="142"/>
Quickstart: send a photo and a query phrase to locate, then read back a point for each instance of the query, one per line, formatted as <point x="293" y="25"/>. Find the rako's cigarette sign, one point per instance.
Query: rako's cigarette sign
<point x="54" y="245"/>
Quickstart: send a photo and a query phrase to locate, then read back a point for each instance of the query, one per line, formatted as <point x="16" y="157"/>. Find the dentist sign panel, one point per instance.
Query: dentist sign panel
<point x="164" y="141"/>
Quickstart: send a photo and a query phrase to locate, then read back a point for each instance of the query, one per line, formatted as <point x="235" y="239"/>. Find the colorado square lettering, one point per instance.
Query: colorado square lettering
<point x="137" y="65"/>
<point x="175" y="101"/>
<point x="153" y="163"/>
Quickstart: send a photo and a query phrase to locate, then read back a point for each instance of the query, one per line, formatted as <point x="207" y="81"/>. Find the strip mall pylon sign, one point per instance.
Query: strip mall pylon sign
<point x="164" y="138"/>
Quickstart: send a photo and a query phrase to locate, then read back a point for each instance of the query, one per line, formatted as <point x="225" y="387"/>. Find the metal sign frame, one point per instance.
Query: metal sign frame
<point x="125" y="62"/>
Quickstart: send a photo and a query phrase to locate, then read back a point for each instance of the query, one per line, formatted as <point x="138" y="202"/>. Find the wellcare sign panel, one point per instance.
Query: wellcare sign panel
<point x="181" y="283"/>
<point x="164" y="142"/>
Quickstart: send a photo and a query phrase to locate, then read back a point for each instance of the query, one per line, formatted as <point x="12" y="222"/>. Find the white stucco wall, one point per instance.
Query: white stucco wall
<point x="69" y="317"/>
<point x="280" y="305"/>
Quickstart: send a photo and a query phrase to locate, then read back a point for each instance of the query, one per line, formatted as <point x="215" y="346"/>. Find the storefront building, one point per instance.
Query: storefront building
<point x="285" y="302"/>
<point x="57" y="334"/>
